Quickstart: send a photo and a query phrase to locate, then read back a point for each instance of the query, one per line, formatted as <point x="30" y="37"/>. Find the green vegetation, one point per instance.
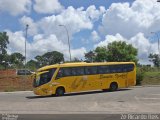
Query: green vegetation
<point x="151" y="78"/>
<point x="139" y="76"/>
<point x="115" y="52"/>
<point x="148" y="75"/>
<point x="49" y="58"/>
<point x="155" y="59"/>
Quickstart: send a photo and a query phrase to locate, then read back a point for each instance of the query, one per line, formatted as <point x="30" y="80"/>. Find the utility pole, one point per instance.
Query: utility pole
<point x="26" y="30"/>
<point x="68" y="40"/>
<point x="25" y="47"/>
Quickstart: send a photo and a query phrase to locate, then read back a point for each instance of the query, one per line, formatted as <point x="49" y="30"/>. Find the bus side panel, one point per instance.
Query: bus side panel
<point x="93" y="82"/>
<point x="119" y="78"/>
<point x="131" y="78"/>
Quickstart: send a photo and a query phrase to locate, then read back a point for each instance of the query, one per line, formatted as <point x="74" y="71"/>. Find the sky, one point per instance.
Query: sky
<point x="90" y="23"/>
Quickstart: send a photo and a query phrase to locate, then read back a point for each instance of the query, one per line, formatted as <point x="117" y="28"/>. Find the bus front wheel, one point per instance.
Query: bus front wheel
<point x="113" y="86"/>
<point x="60" y="91"/>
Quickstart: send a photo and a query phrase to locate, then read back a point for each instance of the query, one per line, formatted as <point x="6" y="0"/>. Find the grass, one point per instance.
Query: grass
<point x="151" y="78"/>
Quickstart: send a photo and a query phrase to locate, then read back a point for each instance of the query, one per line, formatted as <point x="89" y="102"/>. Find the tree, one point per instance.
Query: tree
<point x="89" y="56"/>
<point x="39" y="60"/>
<point x="5" y="61"/>
<point x="3" y="42"/>
<point x="16" y="60"/>
<point x="53" y="57"/>
<point x="121" y="52"/>
<point x="155" y="59"/>
<point x="50" y="58"/>
<point x="32" y="65"/>
<point x="101" y="54"/>
<point x="3" y="46"/>
<point x="114" y="52"/>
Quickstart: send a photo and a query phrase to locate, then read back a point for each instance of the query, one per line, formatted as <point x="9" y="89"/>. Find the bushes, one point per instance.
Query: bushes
<point x="139" y="76"/>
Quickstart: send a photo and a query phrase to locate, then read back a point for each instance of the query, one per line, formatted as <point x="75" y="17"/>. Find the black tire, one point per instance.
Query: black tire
<point x="113" y="86"/>
<point x="60" y="91"/>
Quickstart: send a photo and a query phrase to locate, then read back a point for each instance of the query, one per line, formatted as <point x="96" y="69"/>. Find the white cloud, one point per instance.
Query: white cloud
<point x="110" y="39"/>
<point x="94" y="13"/>
<point x="145" y="47"/>
<point x="78" y="53"/>
<point x="74" y="20"/>
<point x="16" y="42"/>
<point x="15" y="7"/>
<point x="94" y="36"/>
<point x="32" y="25"/>
<point x="131" y="23"/>
<point x="40" y="45"/>
<point x="128" y="20"/>
<point x="49" y="36"/>
<point x="47" y="6"/>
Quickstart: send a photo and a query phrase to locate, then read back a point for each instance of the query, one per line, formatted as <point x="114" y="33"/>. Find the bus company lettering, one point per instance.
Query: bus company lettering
<point x="124" y="75"/>
<point x="106" y="76"/>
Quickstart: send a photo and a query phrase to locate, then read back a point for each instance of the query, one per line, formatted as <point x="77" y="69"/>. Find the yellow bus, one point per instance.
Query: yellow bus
<point x="64" y="78"/>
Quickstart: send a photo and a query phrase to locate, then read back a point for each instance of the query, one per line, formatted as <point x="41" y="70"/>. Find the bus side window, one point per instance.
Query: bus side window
<point x="125" y="68"/>
<point x="80" y="70"/>
<point x="112" y="69"/>
<point x="59" y="74"/>
<point x="67" y="72"/>
<point x="103" y="69"/>
<point x="74" y="71"/>
<point x="91" y="70"/>
<point x="130" y="67"/>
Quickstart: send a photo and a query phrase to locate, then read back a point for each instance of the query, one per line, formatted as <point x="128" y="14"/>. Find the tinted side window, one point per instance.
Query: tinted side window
<point x="112" y="69"/>
<point x="103" y="69"/>
<point x="60" y="73"/>
<point x="63" y="72"/>
<point x="91" y="70"/>
<point x="70" y="71"/>
<point x="78" y="70"/>
<point x="129" y="67"/>
<point x="74" y="71"/>
<point x="119" y="68"/>
<point x="115" y="68"/>
<point x="67" y="72"/>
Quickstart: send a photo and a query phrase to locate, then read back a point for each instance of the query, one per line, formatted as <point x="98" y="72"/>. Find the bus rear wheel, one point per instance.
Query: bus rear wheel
<point x="113" y="86"/>
<point x="60" y="91"/>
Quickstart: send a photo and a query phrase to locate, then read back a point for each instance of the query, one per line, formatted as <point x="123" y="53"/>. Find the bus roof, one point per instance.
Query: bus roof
<point x="81" y="64"/>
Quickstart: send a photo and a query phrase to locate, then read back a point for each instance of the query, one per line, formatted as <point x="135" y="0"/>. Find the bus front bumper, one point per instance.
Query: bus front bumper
<point x="42" y="91"/>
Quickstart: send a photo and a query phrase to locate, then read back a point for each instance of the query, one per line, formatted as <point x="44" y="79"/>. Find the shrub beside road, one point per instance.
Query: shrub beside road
<point x="148" y="75"/>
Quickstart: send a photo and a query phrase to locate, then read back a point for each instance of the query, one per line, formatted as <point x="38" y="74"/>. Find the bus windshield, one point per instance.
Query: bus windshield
<point x="44" y="77"/>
